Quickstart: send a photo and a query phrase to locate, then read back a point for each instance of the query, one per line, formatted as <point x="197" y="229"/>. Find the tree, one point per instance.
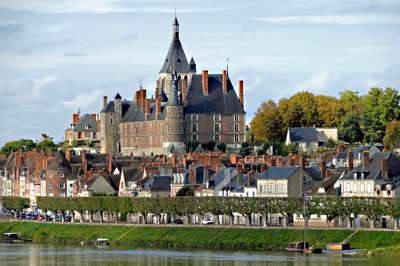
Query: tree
<point x="392" y="135"/>
<point x="290" y="148"/>
<point x="192" y="145"/>
<point x="46" y="143"/>
<point x="350" y="130"/>
<point x="185" y="192"/>
<point x="381" y="107"/>
<point x="266" y="123"/>
<point x="329" y="111"/>
<point x="15" y="145"/>
<point x="209" y="146"/>
<point x="221" y="147"/>
<point x="350" y="102"/>
<point x="245" y="149"/>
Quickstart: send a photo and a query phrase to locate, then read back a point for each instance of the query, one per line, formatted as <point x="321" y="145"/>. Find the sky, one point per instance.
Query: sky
<point x="58" y="57"/>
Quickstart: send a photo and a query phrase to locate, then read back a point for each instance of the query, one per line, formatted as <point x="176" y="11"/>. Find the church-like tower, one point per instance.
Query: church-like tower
<point x="175" y="61"/>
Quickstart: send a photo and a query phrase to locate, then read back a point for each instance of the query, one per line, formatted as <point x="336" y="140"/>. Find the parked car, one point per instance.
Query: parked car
<point x="178" y="221"/>
<point x="207" y="221"/>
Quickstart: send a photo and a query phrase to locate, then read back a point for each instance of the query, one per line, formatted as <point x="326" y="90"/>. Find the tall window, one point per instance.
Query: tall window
<point x="217" y="138"/>
<point x="195" y="117"/>
<point x="236" y="117"/>
<point x="217" y="117"/>
<point x="217" y="127"/>
<point x="194" y="137"/>
<point x="194" y="127"/>
<point x="236" y="127"/>
<point x="236" y="138"/>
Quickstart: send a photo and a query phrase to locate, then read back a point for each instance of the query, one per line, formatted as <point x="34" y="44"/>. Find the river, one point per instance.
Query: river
<point x="31" y="254"/>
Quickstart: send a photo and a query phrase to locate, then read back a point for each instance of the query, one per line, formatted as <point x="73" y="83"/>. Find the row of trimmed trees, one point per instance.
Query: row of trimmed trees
<point x="332" y="207"/>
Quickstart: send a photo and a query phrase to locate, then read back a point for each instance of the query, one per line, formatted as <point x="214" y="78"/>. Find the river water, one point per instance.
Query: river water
<point x="31" y="254"/>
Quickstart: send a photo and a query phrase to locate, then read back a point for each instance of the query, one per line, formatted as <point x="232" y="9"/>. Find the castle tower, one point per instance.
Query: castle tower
<point x="174" y="126"/>
<point x="175" y="61"/>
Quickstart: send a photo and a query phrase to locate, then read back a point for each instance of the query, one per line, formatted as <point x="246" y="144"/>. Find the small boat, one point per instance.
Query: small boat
<point x="102" y="242"/>
<point x="83" y="243"/>
<point x="12" y="238"/>
<point x="342" y="249"/>
<point x="302" y="247"/>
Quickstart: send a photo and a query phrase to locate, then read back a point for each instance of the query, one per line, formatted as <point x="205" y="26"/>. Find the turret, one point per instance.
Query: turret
<point x="118" y="104"/>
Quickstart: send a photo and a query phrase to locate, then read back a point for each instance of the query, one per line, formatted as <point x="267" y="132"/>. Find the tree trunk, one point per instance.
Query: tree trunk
<point x="101" y="217"/>
<point x="231" y="219"/>
<point x="371" y="223"/>
<point x="116" y="217"/>
<point x="91" y="217"/>
<point x="285" y="221"/>
<point x="264" y="220"/>
<point x="348" y="222"/>
<point x="395" y="223"/>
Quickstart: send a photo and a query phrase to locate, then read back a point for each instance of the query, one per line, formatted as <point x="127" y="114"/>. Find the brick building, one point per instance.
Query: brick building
<point x="187" y="107"/>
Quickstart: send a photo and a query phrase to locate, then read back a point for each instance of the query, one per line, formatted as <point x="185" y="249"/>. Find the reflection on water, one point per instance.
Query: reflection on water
<point x="29" y="254"/>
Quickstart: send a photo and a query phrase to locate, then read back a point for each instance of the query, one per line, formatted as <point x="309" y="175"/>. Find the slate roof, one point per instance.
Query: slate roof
<point x="306" y="134"/>
<point x="86" y="121"/>
<point x="314" y="173"/>
<point x="199" y="175"/>
<point x="372" y="170"/>
<point x="59" y="163"/>
<point x="277" y="172"/>
<point x="176" y="58"/>
<point x="136" y="113"/>
<point x="159" y="184"/>
<point x="132" y="173"/>
<point x="357" y="152"/>
<point x="216" y="102"/>
<point x="110" y="107"/>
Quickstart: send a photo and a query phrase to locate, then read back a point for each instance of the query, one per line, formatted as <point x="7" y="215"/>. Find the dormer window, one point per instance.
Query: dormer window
<point x="86" y="126"/>
<point x="62" y="175"/>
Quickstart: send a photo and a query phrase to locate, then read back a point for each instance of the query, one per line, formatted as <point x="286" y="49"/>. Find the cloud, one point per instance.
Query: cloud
<point x="82" y="100"/>
<point x="333" y="19"/>
<point x="40" y="83"/>
<point x="76" y="54"/>
<point x="320" y="80"/>
<point x="99" y="7"/>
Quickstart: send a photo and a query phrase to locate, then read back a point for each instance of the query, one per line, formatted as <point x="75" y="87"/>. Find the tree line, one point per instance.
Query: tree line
<point x="370" y="118"/>
<point x="332" y="207"/>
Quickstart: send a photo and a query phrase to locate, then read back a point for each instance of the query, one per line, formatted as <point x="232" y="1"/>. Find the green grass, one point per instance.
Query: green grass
<point x="195" y="237"/>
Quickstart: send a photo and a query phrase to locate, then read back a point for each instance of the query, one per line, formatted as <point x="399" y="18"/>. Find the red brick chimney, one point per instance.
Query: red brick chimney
<point x="184" y="92"/>
<point x="224" y="81"/>
<point x="384" y="168"/>
<point x="84" y="161"/>
<point x="164" y="158"/>
<point x="174" y="160"/>
<point x="205" y="82"/>
<point x="184" y="161"/>
<point x="68" y="155"/>
<point x="233" y="158"/>
<point x="143" y="102"/>
<point x="110" y="161"/>
<point x="365" y="158"/>
<point x="94" y="117"/>
<point x="75" y="118"/>
<point x="323" y="170"/>
<point x="241" y="97"/>
<point x="340" y="148"/>
<point x="158" y="103"/>
<point x="138" y="100"/>
<point x="350" y="159"/>
<point x="104" y="101"/>
<point x="147" y="108"/>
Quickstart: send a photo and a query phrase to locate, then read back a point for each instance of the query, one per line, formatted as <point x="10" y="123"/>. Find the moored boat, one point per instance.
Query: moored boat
<point x="102" y="242"/>
<point x="12" y="237"/>
<point x="302" y="247"/>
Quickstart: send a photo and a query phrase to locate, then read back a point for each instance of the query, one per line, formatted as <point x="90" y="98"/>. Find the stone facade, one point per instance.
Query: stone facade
<point x="187" y="107"/>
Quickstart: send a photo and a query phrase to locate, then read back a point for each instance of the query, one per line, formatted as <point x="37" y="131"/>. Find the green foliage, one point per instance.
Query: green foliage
<point x="392" y="135"/>
<point x="24" y="144"/>
<point x="291" y="148"/>
<point x="185" y="192"/>
<point x="245" y="149"/>
<point x="46" y="143"/>
<point x="192" y="145"/>
<point x="15" y="203"/>
<point x="381" y="107"/>
<point x="209" y="146"/>
<point x="221" y="147"/>
<point x="350" y="129"/>
<point x="266" y="123"/>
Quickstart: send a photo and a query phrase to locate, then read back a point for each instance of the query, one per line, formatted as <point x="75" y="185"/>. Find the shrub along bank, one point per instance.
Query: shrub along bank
<point x="194" y="237"/>
<point x="177" y="237"/>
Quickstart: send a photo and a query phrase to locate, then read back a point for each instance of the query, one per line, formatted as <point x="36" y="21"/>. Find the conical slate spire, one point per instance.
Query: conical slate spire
<point x="173" y="96"/>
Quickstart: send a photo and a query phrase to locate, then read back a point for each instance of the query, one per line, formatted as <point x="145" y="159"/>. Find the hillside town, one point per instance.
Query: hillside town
<point x="191" y="139"/>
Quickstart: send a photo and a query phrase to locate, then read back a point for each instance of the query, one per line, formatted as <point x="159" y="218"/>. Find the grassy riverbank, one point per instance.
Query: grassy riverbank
<point x="194" y="237"/>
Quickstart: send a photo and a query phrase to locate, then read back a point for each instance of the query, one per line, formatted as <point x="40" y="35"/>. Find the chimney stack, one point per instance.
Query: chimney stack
<point x="184" y="92"/>
<point x="350" y="159"/>
<point x="143" y="102"/>
<point x="110" y="161"/>
<point x="205" y="82"/>
<point x="75" y="118"/>
<point x="158" y="104"/>
<point x="184" y="161"/>
<point x="94" y="117"/>
<point x="192" y="174"/>
<point x="147" y="108"/>
<point x="104" y="101"/>
<point x="384" y="168"/>
<point x="138" y="100"/>
<point x="241" y="98"/>
<point x="323" y="170"/>
<point x="365" y="158"/>
<point x="233" y="158"/>
<point x="174" y="160"/>
<point x="224" y="81"/>
<point x="84" y="161"/>
<point x="68" y="155"/>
